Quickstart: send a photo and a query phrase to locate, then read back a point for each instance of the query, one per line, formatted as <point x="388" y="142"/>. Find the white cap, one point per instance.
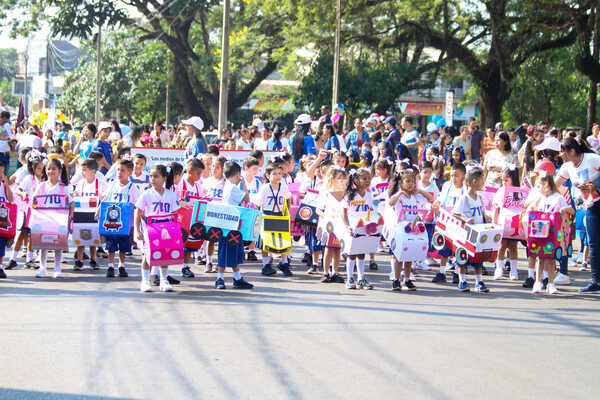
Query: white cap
<point x="303" y="119"/>
<point x="549" y="143"/>
<point x="196" y="122"/>
<point x="104" y="125"/>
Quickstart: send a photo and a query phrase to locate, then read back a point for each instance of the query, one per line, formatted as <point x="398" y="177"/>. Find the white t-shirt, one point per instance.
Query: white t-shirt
<point x="359" y="205"/>
<point x="111" y="174"/>
<point x="450" y="194"/>
<point x="184" y="189"/>
<point x="213" y="188"/>
<point x="244" y="145"/>
<point x="470" y="208"/>
<point x="409" y="137"/>
<point x="431" y="189"/>
<point x="232" y="194"/>
<point x="29" y="140"/>
<point x="20" y="174"/>
<point x="270" y="199"/>
<point x="153" y="203"/>
<point x="553" y="203"/>
<point x="129" y="193"/>
<point x="260" y="144"/>
<point x="114" y="136"/>
<point x="4" y="148"/>
<point x="142" y="181"/>
<point x="78" y="177"/>
<point x="587" y="171"/>
<point x="54" y="190"/>
<point x="94" y="189"/>
<point x="405" y="206"/>
<point x="28" y="184"/>
<point x="330" y="205"/>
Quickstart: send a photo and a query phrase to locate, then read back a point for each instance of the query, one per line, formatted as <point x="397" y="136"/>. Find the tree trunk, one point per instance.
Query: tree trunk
<point x="191" y="105"/>
<point x="491" y="109"/>
<point x="593" y="94"/>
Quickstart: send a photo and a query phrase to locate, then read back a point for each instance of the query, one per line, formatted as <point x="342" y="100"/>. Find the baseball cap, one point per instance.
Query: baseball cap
<point x="303" y="119"/>
<point x="196" y="122"/>
<point x="390" y="120"/>
<point x="104" y="125"/>
<point x="549" y="143"/>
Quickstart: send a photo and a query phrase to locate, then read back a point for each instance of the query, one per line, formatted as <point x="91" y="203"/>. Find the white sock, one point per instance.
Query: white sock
<point x="237" y="275"/>
<point x="121" y="265"/>
<point x="43" y="258"/>
<point x="208" y="259"/>
<point x="220" y="275"/>
<point x="29" y="256"/>
<point x="284" y="258"/>
<point x="531" y="272"/>
<point x="349" y="268"/>
<point x="393" y="265"/>
<point x="163" y="274"/>
<point x="513" y="266"/>
<point x="499" y="264"/>
<point x="478" y="278"/>
<point x="13" y="256"/>
<point x="154" y="271"/>
<point x="111" y="265"/>
<point x="442" y="269"/>
<point x="360" y="266"/>
<point x="463" y="277"/>
<point x="545" y="274"/>
<point x="265" y="260"/>
<point x="145" y="275"/>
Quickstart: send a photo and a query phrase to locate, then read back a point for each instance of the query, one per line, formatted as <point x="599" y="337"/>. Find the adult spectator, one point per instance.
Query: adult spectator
<point x="325" y="117"/>
<point x="357" y="136"/>
<point x="582" y="167"/>
<point x="197" y="145"/>
<point x="594" y="138"/>
<point x="160" y="133"/>
<point x="275" y="142"/>
<point x="393" y="136"/>
<point x="48" y="140"/>
<point x="258" y="122"/>
<point x="5" y="136"/>
<point x="410" y="137"/>
<point x="332" y="141"/>
<point x="245" y="141"/>
<point x="463" y="141"/>
<point x="115" y="133"/>
<point x="489" y="141"/>
<point x="497" y="159"/>
<point x="260" y="143"/>
<point x="476" y="139"/>
<point x="301" y="142"/>
<point x="83" y="148"/>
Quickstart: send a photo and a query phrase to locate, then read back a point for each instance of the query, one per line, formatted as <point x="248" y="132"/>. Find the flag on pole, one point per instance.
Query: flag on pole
<point x="21" y="116"/>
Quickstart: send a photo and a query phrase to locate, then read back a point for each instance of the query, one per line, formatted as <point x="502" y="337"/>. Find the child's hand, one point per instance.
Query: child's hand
<point x="140" y="237"/>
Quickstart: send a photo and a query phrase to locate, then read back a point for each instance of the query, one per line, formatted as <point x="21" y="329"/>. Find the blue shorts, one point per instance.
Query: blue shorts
<point x="445" y="252"/>
<point x="118" y="243"/>
<point x="2" y="246"/>
<point x="230" y="256"/>
<point x="430" y="228"/>
<point x="189" y="250"/>
<point x="583" y="237"/>
<point x="474" y="265"/>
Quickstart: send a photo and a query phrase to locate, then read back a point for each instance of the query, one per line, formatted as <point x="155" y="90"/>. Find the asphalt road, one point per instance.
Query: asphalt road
<point x="85" y="336"/>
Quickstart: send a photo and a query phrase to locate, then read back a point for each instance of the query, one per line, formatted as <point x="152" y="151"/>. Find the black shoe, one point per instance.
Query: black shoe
<point x="545" y="283"/>
<point x="78" y="265"/>
<point x="123" y="272"/>
<point x="94" y="265"/>
<point x="100" y="251"/>
<point x="439" y="278"/>
<point x="155" y="280"/>
<point x="396" y="286"/>
<point x="267" y="270"/>
<point x="306" y="257"/>
<point x="373" y="265"/>
<point x="455" y="279"/>
<point x="110" y="272"/>
<point x="410" y="286"/>
<point x="12" y="264"/>
<point x="172" y="280"/>
<point x="251" y="256"/>
<point x="592" y="287"/>
<point x="129" y="254"/>
<point x="186" y="272"/>
<point x="285" y="268"/>
<point x="337" y="278"/>
<point x="2" y="273"/>
<point x="85" y="256"/>
<point x="242" y="284"/>
<point x="528" y="283"/>
<point x="326" y="279"/>
<point x="219" y="283"/>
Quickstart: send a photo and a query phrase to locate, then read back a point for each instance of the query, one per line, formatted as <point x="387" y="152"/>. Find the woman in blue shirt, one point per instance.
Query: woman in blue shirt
<point x="274" y="143"/>
<point x="332" y="143"/>
<point x="86" y="141"/>
<point x="102" y="145"/>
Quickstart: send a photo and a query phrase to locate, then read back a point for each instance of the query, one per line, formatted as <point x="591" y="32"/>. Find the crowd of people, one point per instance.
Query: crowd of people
<point x="380" y="163"/>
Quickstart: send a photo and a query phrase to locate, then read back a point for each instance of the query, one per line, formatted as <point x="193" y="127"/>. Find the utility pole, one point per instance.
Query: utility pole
<point x="167" y="93"/>
<point x="224" y="69"/>
<point x="98" y="73"/>
<point x="336" y="54"/>
<point x="47" y="97"/>
<point x="26" y="77"/>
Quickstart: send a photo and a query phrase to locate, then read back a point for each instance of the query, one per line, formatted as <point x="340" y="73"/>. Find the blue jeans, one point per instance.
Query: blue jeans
<point x="4" y="159"/>
<point x="593" y="234"/>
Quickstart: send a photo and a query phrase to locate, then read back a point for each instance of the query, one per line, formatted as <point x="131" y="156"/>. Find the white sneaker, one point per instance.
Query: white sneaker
<point x="41" y="273"/>
<point x="579" y="258"/>
<point x="413" y="277"/>
<point x="551" y="289"/>
<point x="537" y="287"/>
<point x="422" y="266"/>
<point x="57" y="274"/>
<point x="431" y="261"/>
<point x="514" y="275"/>
<point x="572" y="262"/>
<point x="165" y="287"/>
<point x="562" y="279"/>
<point x="145" y="286"/>
<point x="498" y="273"/>
<point x="583" y="267"/>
